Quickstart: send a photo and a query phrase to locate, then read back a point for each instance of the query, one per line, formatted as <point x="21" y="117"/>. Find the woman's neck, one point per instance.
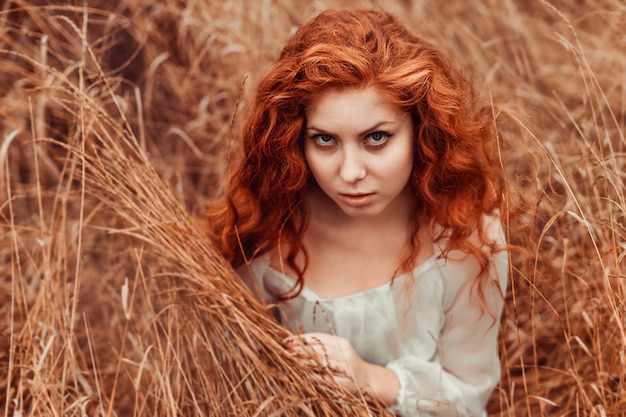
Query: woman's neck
<point x="349" y="254"/>
<point x="386" y="235"/>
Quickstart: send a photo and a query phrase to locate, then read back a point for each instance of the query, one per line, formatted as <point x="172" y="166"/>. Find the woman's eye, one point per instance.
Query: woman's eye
<point x="323" y="140"/>
<point x="377" y="138"/>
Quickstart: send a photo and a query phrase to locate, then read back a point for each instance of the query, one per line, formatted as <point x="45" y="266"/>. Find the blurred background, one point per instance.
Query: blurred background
<point x="118" y="122"/>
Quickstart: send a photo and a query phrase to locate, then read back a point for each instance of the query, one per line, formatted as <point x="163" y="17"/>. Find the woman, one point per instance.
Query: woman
<point x="366" y="206"/>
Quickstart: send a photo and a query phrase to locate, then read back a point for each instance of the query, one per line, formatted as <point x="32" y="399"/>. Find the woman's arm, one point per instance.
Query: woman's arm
<point x="348" y="368"/>
<point x="466" y="368"/>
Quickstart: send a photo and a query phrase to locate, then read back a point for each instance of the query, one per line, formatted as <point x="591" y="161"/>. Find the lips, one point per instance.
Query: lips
<point x="357" y="199"/>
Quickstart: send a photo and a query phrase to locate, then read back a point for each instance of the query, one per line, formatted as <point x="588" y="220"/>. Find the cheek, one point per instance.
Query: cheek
<point x="399" y="172"/>
<point x="315" y="163"/>
<point x="319" y="171"/>
<point x="408" y="163"/>
<point x="400" y="165"/>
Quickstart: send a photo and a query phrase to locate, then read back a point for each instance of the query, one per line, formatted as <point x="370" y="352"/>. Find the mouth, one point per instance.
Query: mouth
<point x="357" y="199"/>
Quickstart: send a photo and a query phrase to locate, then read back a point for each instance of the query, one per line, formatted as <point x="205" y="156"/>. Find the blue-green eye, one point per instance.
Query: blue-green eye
<point x="323" y="140"/>
<point x="377" y="139"/>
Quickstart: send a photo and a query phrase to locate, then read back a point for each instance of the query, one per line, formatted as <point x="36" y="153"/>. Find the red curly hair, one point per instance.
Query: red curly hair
<point x="454" y="181"/>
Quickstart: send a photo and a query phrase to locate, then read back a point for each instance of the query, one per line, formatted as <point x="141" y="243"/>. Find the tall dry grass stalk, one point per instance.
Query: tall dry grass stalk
<point x="117" y="120"/>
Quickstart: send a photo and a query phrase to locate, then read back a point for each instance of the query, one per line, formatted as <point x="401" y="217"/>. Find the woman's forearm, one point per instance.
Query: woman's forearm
<point x="382" y="383"/>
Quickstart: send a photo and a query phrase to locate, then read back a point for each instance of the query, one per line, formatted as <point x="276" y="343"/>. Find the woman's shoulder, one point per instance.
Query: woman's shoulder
<point x="460" y="269"/>
<point x="493" y="230"/>
<point x="252" y="272"/>
<point x="489" y="233"/>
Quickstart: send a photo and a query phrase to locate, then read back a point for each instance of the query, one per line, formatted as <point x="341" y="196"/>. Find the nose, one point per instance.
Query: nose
<point x="352" y="166"/>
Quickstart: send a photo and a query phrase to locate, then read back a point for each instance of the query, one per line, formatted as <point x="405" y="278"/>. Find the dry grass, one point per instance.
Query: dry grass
<point x="116" y="125"/>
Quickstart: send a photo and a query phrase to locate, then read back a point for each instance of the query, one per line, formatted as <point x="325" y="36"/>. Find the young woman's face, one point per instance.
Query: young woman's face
<point x="360" y="150"/>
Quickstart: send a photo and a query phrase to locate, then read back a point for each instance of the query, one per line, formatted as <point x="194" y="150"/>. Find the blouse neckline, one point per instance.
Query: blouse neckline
<point x="310" y="294"/>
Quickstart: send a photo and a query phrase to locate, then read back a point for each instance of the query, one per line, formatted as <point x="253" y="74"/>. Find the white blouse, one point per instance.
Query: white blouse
<point x="423" y="326"/>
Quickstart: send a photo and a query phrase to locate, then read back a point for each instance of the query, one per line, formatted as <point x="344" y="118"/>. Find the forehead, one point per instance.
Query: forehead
<point x="352" y="100"/>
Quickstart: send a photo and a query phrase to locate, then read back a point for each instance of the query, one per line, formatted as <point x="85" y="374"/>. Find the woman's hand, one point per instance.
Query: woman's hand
<point x="347" y="367"/>
<point x="335" y="353"/>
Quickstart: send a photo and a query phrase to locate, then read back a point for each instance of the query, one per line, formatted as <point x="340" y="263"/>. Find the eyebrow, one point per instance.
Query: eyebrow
<point x="368" y="130"/>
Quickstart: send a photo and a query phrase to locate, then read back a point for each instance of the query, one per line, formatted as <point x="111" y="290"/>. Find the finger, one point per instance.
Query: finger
<point x="317" y="338"/>
<point x="313" y="355"/>
<point x="315" y="362"/>
<point x="291" y="343"/>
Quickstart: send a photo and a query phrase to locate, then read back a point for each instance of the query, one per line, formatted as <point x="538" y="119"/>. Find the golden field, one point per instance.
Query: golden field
<point x="118" y="122"/>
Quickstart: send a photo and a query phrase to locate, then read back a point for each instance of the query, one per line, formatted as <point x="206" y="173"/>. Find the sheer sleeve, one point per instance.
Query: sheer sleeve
<point x="459" y="378"/>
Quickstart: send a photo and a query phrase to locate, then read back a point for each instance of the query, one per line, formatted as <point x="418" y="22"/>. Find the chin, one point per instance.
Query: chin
<point x="362" y="212"/>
